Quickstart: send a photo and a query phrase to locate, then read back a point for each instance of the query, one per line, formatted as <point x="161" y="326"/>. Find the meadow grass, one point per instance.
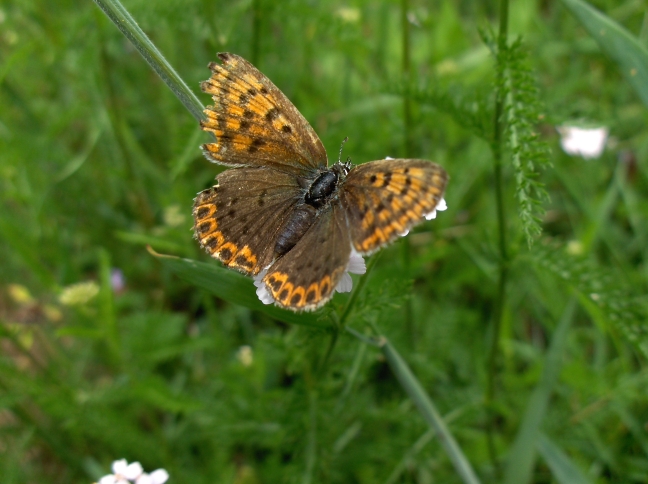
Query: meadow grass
<point x="504" y="341"/>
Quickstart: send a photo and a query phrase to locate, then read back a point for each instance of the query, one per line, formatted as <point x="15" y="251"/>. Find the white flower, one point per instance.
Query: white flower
<point x="125" y="473"/>
<point x="588" y="143"/>
<point x="441" y="206"/>
<point x="262" y="293"/>
<point x="159" y="476"/>
<point x="356" y="265"/>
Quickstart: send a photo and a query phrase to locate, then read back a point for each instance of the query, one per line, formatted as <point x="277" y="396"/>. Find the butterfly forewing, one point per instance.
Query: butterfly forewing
<point x="306" y="277"/>
<point x="255" y="124"/>
<point x="384" y="199"/>
<point x="238" y="221"/>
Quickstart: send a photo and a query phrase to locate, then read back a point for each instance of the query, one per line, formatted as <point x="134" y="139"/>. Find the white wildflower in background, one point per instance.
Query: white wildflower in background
<point x="588" y="143"/>
<point x="125" y="473"/>
<point x="79" y="294"/>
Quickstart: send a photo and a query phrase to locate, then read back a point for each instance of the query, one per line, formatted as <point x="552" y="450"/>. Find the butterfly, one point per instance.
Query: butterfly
<point x="281" y="214"/>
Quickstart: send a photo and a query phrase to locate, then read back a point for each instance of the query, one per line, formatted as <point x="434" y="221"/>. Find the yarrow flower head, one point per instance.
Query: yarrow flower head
<point x="125" y="473"/>
<point x="587" y="143"/>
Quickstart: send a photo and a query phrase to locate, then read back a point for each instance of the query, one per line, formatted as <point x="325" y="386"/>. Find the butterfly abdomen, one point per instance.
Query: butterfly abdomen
<point x="299" y="222"/>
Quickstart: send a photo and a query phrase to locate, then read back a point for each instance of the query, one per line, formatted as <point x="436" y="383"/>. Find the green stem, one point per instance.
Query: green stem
<point x="256" y="32"/>
<point x="499" y="126"/>
<point x="415" y="390"/>
<point x="124" y="22"/>
<point x="354" y="295"/>
<point x="407" y="125"/>
<point x="407" y="101"/>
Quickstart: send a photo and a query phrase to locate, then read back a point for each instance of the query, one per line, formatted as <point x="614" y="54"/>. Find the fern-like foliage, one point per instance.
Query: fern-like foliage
<point x="522" y="111"/>
<point x="471" y="110"/>
<point x="602" y="293"/>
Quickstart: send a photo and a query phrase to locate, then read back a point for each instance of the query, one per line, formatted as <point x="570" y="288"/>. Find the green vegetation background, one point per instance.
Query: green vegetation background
<point x="98" y="159"/>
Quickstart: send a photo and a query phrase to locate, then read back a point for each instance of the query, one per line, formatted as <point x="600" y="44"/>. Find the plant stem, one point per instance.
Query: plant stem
<point x="499" y="126"/>
<point x="407" y="126"/>
<point x="429" y="412"/>
<point x="127" y="25"/>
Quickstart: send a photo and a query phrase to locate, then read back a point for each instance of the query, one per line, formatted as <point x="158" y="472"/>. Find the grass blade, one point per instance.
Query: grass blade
<point x="116" y="12"/>
<point x="562" y="467"/>
<point x="233" y="287"/>
<point x="617" y="43"/>
<point x="522" y="455"/>
<point x="431" y="415"/>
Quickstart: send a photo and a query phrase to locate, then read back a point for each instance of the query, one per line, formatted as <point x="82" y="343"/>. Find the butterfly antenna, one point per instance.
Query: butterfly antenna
<point x="342" y="146"/>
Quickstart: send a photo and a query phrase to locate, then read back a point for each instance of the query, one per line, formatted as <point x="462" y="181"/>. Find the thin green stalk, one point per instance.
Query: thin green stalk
<point x="340" y="323"/>
<point x="415" y="390"/>
<point x="257" y="15"/>
<point x="127" y="25"/>
<point x="406" y="55"/>
<point x="352" y="377"/>
<point x="354" y="295"/>
<point x="120" y="128"/>
<point x="422" y="441"/>
<point x="499" y="126"/>
<point x="407" y="126"/>
<point x="108" y="318"/>
<point x="311" y="444"/>
<point x="522" y="456"/>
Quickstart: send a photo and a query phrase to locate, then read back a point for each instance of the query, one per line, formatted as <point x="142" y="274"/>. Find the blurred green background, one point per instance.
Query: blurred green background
<point x="107" y="353"/>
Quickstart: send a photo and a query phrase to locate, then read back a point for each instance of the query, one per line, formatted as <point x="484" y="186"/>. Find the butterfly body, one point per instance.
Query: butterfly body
<point x="281" y="214"/>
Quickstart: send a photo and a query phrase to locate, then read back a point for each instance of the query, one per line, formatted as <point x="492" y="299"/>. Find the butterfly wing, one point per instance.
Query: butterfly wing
<point x="239" y="220"/>
<point x="254" y="123"/>
<point x="306" y="277"/>
<point x="384" y="199"/>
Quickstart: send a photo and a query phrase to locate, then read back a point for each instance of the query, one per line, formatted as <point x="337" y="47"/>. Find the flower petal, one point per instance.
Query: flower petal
<point x="345" y="284"/>
<point x="262" y="292"/>
<point x="133" y="471"/>
<point x="356" y="263"/>
<point x="119" y="466"/>
<point x="588" y="143"/>
<point x="159" y="476"/>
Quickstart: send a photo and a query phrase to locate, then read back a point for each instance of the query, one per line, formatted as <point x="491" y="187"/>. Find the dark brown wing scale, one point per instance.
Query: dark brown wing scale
<point x="239" y="220"/>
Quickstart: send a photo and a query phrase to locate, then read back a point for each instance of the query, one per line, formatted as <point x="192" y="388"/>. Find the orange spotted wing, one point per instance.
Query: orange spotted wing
<point x="384" y="199"/>
<point x="254" y="123"/>
<point x="281" y="214"/>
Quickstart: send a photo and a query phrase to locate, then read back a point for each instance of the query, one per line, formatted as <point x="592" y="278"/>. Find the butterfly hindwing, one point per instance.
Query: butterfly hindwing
<point x="254" y="122"/>
<point x="384" y="199"/>
<point x="239" y="220"/>
<point x="306" y="277"/>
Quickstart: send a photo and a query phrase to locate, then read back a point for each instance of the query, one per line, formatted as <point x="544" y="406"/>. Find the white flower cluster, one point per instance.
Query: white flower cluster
<point x="125" y="473"/>
<point x="587" y="143"/>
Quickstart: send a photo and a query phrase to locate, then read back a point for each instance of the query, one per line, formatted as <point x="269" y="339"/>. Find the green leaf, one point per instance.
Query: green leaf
<point x="235" y="288"/>
<point x="617" y="43"/>
<point x="521" y="459"/>
<point x="562" y="467"/>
